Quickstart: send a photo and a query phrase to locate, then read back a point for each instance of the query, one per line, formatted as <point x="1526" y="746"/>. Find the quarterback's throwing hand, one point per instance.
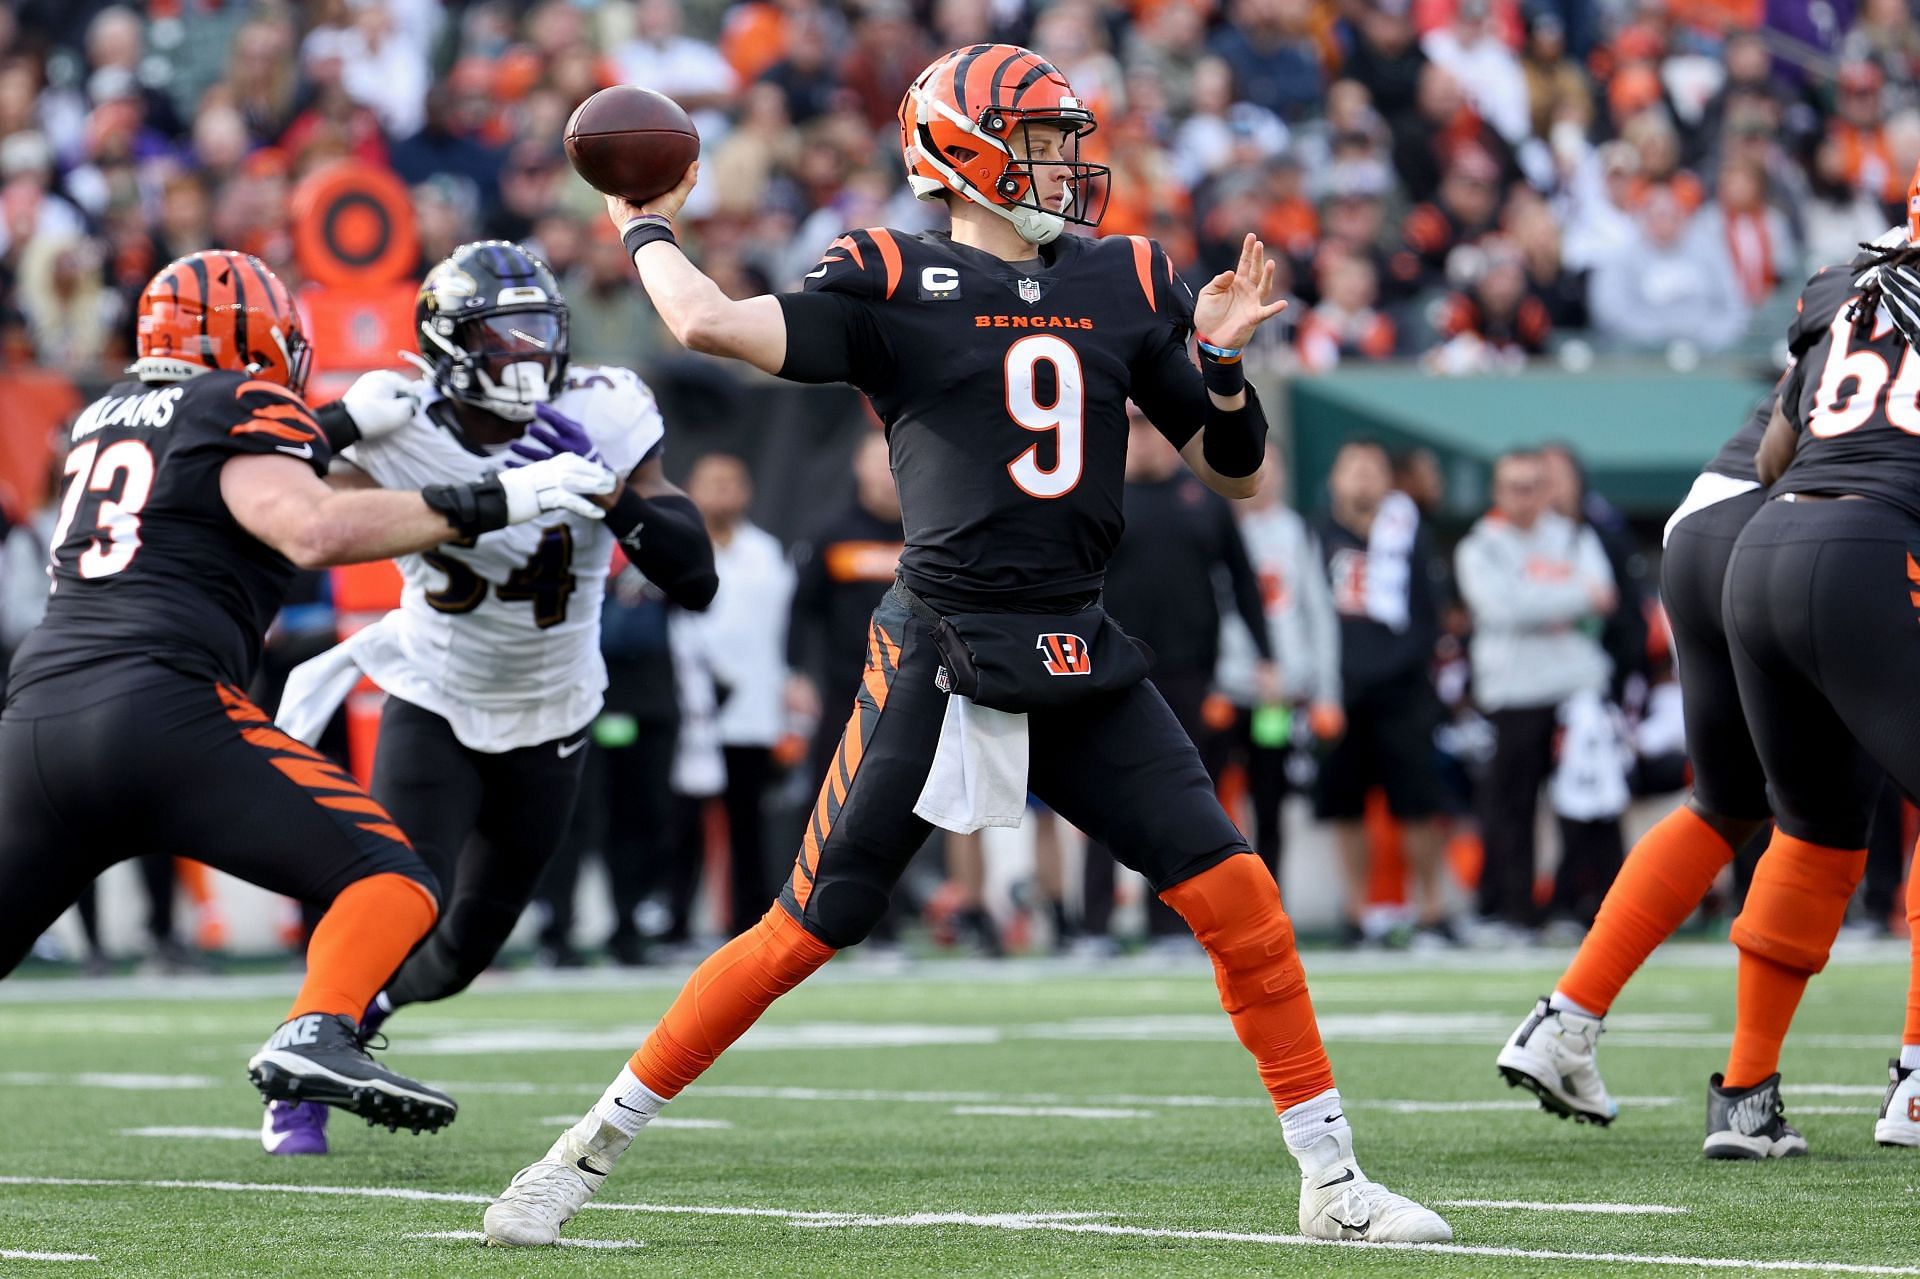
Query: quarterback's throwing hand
<point x="1237" y="302"/>
<point x="380" y="403"/>
<point x="563" y="482"/>
<point x="621" y="211"/>
<point x="551" y="434"/>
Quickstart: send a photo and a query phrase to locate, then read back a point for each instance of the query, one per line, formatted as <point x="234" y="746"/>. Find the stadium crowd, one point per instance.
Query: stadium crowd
<point x="1469" y="183"/>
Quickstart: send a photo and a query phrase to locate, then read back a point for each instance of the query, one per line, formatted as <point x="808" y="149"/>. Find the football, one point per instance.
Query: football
<point x="631" y="142"/>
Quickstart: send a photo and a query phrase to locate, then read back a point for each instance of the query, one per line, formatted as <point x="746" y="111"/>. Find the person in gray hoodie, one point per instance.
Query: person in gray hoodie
<point x="1538" y="588"/>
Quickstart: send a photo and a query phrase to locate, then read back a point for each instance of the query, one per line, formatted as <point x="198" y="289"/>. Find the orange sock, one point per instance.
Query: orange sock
<point x="1912" y="1034"/>
<point x="372" y="926"/>
<point x="1662" y="882"/>
<point x="725" y="995"/>
<point x="1794" y="909"/>
<point x="1234" y="909"/>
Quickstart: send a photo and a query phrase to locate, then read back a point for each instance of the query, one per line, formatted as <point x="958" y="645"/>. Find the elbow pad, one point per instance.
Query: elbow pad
<point x="665" y="538"/>
<point x="1234" y="441"/>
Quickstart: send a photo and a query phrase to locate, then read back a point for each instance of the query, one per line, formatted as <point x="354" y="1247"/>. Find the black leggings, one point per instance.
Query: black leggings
<point x="129" y="757"/>
<point x="486" y="823"/>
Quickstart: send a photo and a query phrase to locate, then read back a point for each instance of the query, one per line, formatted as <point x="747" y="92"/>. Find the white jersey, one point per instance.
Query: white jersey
<point x="502" y="638"/>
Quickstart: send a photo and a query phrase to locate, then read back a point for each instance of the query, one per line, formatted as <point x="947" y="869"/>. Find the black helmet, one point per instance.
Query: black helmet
<point x="493" y="328"/>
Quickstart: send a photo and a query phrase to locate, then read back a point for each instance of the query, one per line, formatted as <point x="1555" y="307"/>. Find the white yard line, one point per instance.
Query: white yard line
<point x="663" y="1121"/>
<point x="112" y="1082"/>
<point x="1065" y="1223"/>
<point x="223" y="1134"/>
<point x="1834" y="1090"/>
<point x="480" y="1236"/>
<point x="1053" y="1112"/>
<point x="1527" y="1205"/>
<point x="10" y="1254"/>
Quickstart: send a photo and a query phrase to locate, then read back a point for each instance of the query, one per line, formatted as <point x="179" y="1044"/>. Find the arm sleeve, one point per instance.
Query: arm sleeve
<point x="833" y="328"/>
<point x="672" y="550"/>
<point x="336" y="424"/>
<point x="1246" y="584"/>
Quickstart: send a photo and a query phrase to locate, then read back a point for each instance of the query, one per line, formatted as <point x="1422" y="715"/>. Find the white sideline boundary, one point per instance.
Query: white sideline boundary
<point x="212" y="1134"/>
<point x="479" y="1236"/>
<point x="1065" y="1223"/>
<point x="12" y="1254"/>
<point x="1601" y="1209"/>
<point x="1051" y="1112"/>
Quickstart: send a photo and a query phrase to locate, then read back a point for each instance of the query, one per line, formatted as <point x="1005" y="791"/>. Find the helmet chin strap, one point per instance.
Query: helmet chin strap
<point x="522" y="386"/>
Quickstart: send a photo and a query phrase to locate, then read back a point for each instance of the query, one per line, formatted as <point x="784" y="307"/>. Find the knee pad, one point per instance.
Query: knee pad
<point x="1234" y="909"/>
<point x="1798" y="901"/>
<point x="841" y="912"/>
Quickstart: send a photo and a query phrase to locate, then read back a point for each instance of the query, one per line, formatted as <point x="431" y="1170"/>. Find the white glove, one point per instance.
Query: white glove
<point x="556" y="483"/>
<point x="380" y="403"/>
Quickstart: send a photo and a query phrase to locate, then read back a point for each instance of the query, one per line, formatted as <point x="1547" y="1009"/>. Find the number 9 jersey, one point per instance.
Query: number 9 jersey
<point x="1003" y="387"/>
<point x="501" y="636"/>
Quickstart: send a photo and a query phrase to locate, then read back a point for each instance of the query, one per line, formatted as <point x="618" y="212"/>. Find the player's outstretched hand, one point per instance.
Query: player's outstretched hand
<point x="1237" y="302"/>
<point x="563" y="482"/>
<point x="380" y="403"/>
<point x="621" y="210"/>
<point x="552" y="433"/>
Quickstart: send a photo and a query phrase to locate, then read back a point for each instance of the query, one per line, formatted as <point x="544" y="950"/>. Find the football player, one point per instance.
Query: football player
<point x="1000" y="358"/>
<point x="492" y="662"/>
<point x="194" y="491"/>
<point x="1553" y="1052"/>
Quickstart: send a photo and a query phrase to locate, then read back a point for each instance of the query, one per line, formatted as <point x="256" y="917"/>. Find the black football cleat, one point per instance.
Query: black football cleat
<point x="1749" y="1123"/>
<point x="319" y="1057"/>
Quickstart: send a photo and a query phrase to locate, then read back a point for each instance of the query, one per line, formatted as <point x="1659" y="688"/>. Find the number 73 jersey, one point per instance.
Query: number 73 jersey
<point x="1003" y="387"/>
<point x="500" y="636"/>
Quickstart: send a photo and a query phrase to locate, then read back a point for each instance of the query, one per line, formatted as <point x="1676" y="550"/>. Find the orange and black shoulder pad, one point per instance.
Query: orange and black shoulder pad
<point x="865" y="263"/>
<point x="251" y="415"/>
<point x="1160" y="286"/>
<point x="1826" y="293"/>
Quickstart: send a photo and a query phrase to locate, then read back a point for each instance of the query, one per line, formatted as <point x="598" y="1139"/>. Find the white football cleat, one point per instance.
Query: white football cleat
<point x="544" y="1196"/>
<point x="1552" y="1056"/>
<point x="1339" y="1202"/>
<point x="1899" y="1122"/>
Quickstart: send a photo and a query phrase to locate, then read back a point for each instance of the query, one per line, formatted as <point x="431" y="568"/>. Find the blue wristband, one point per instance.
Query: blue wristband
<point x="1219" y="354"/>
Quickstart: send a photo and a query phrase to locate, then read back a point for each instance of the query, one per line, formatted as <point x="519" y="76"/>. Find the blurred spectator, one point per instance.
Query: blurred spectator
<point x="1221" y="133"/>
<point x="1624" y="636"/>
<point x="116" y="53"/>
<point x="1886" y="34"/>
<point x="805" y="76"/>
<point x="382" y="68"/>
<point x="745" y="639"/>
<point x="1858" y="128"/>
<point x="1838" y="217"/>
<point x="1560" y="290"/>
<point x="888" y="51"/>
<point x="1377" y="551"/>
<point x="1671" y="284"/>
<point x="1442" y="129"/>
<point x="1347" y="324"/>
<point x="1170" y="42"/>
<point x="742" y="167"/>
<point x="1464" y="209"/>
<point x="1276" y="62"/>
<point x="68" y="308"/>
<point x="1758" y="241"/>
<point x="1304" y="632"/>
<point x="1494" y="323"/>
<point x="1537" y="586"/>
<point x="612" y="323"/>
<point x="691" y="72"/>
<point x="1485" y="67"/>
<point x="1557" y="88"/>
<point x="452" y="140"/>
<point x="1386" y="57"/>
<point x="262" y="76"/>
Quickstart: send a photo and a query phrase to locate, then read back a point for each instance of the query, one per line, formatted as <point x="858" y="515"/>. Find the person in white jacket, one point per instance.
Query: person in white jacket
<point x="1538" y="587"/>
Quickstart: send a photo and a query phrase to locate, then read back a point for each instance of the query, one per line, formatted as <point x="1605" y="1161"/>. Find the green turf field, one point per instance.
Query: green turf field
<point x="955" y="1119"/>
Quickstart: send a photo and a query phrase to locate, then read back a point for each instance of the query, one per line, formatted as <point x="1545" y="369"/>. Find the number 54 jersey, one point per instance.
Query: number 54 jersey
<point x="1003" y="387"/>
<point x="500" y="636"/>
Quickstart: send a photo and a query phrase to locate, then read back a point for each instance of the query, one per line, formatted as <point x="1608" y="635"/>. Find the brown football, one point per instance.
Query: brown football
<point x="631" y="142"/>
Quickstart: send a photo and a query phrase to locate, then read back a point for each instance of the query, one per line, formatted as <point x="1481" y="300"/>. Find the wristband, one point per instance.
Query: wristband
<point x="472" y="509"/>
<point x="647" y="229"/>
<point x="1221" y="369"/>
<point x="1219" y="354"/>
<point x="627" y="514"/>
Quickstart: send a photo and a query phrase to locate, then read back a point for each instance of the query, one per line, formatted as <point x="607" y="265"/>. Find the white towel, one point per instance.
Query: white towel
<point x="1590" y="779"/>
<point x="1389" y="561"/>
<point x="317" y="686"/>
<point x="979" y="773"/>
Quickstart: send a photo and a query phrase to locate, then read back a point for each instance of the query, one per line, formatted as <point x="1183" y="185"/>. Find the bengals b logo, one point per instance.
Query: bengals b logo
<point x="1064" y="654"/>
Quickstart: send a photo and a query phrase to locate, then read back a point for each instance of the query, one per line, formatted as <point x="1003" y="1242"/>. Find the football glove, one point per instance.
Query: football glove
<point x="558" y="483"/>
<point x="1900" y="290"/>
<point x="551" y="434"/>
<point x="380" y="403"/>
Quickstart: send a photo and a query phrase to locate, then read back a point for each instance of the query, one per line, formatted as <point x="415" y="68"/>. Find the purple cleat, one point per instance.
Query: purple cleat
<point x="294" y="1128"/>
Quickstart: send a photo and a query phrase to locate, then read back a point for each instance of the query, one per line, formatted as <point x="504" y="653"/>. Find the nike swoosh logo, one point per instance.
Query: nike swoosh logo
<point x="624" y="1106"/>
<point x="1334" y="1119"/>
<point x="568" y="751"/>
<point x="814" y="274"/>
<point x="304" y="452"/>
<point x="582" y="1164"/>
<point x="1345" y="1176"/>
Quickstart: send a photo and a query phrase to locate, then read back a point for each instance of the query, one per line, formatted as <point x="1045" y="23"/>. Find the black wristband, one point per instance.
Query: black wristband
<point x="629" y="511"/>
<point x="472" y="509"/>
<point x="337" y="425"/>
<point x="1234" y="441"/>
<point x="1225" y="378"/>
<point x="645" y="230"/>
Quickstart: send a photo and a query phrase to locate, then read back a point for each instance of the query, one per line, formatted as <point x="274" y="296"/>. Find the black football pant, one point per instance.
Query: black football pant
<point x="1117" y="766"/>
<point x="1267" y="787"/>
<point x="1509" y="802"/>
<point x="486" y="823"/>
<point x="1824" y="627"/>
<point x="127" y="758"/>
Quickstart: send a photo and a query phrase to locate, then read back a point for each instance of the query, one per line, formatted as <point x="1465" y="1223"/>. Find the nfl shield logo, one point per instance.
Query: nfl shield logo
<point x="1029" y="291"/>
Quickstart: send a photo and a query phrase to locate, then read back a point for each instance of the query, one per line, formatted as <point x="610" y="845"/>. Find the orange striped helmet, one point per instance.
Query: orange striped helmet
<point x="960" y="123"/>
<point x="217" y="309"/>
<point x="1913" y="207"/>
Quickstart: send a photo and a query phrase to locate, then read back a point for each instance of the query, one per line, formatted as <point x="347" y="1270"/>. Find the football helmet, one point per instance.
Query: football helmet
<point x="962" y="118"/>
<point x="493" y="329"/>
<point x="217" y="309"/>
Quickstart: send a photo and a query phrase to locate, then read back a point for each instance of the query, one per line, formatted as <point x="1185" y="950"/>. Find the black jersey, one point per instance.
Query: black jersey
<point x="1003" y="387"/>
<point x="146" y="559"/>
<point x="1825" y="292"/>
<point x="1854" y="400"/>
